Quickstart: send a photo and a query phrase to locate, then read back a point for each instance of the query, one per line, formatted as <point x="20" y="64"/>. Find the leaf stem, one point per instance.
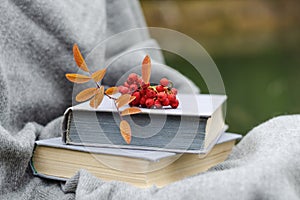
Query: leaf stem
<point x="121" y="117"/>
<point x="98" y="86"/>
<point x="113" y="98"/>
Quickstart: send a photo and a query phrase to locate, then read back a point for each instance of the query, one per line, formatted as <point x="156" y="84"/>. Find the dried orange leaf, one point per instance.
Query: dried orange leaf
<point x="131" y="111"/>
<point x="86" y="94"/>
<point x="131" y="99"/>
<point x="98" y="75"/>
<point x="79" y="59"/>
<point x="146" y="69"/>
<point x="111" y="90"/>
<point x="124" y="96"/>
<point x="78" y="78"/>
<point x="123" y="100"/>
<point x="125" y="131"/>
<point x="97" y="99"/>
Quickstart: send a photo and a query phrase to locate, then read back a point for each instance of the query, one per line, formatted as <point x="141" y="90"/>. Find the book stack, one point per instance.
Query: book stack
<point x="167" y="145"/>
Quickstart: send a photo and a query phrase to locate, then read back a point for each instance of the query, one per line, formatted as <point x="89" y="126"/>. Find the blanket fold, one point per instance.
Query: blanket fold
<point x="264" y="165"/>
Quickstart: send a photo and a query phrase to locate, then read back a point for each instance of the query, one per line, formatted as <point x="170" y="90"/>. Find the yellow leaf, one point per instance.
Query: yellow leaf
<point x="125" y="131"/>
<point x="97" y="99"/>
<point x="111" y="90"/>
<point x="78" y="78"/>
<point x="146" y="69"/>
<point x="124" y="99"/>
<point x="98" y="75"/>
<point x="79" y="59"/>
<point x="130" y="111"/>
<point x="86" y="94"/>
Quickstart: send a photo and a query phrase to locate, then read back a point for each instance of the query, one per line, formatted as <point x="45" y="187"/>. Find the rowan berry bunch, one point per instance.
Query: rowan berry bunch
<point x="150" y="96"/>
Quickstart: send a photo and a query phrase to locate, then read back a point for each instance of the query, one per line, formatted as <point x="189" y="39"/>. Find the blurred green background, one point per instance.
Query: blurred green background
<point x="255" y="44"/>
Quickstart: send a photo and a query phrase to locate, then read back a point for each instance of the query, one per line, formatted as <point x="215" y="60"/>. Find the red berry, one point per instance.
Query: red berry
<point x="166" y="102"/>
<point x="140" y="82"/>
<point x="160" y="88"/>
<point x="149" y="102"/>
<point x="150" y="93"/>
<point x="143" y="101"/>
<point x="157" y="104"/>
<point x="161" y="96"/>
<point x="123" y="90"/>
<point x="171" y="97"/>
<point x="174" y="91"/>
<point x="129" y="81"/>
<point x="137" y="95"/>
<point x="143" y="92"/>
<point x="133" y="87"/>
<point x="145" y="85"/>
<point x="175" y="104"/>
<point x="126" y="84"/>
<point x="164" y="82"/>
<point x="136" y="101"/>
<point x="133" y="77"/>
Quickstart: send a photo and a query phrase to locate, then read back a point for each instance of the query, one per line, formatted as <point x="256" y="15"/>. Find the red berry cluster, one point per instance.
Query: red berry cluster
<point x="148" y="96"/>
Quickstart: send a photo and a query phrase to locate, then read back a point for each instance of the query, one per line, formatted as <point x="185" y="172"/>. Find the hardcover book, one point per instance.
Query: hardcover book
<point x="193" y="127"/>
<point x="55" y="160"/>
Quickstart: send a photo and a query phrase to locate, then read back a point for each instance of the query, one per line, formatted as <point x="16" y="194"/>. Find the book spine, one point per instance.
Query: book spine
<point x="66" y="125"/>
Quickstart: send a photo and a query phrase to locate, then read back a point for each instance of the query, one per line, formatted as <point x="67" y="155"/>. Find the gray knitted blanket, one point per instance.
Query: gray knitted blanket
<point x="36" y="40"/>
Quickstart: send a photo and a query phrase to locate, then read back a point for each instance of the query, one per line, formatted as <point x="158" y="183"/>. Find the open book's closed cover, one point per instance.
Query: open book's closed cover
<point x="193" y="127"/>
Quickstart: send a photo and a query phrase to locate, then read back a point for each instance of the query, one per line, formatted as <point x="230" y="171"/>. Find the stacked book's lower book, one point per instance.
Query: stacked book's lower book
<point x="55" y="160"/>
